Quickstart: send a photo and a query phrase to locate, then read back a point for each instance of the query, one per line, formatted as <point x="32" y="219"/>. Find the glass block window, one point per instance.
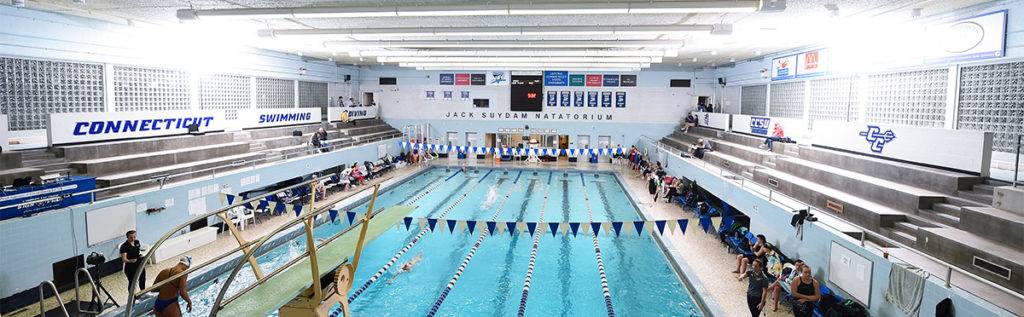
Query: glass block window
<point x="992" y="99"/>
<point x="753" y="99"/>
<point x="219" y="91"/>
<point x="150" y="89"/>
<point x="834" y="99"/>
<point x="30" y="89"/>
<point x="787" y="100"/>
<point x="275" y="93"/>
<point x="313" y="95"/>
<point x="913" y="98"/>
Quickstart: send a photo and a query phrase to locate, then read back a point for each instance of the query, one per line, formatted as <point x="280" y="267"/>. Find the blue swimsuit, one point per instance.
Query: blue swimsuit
<point x="161" y="304"/>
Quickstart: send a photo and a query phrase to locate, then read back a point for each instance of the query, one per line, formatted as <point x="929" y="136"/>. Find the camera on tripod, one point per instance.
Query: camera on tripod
<point x="95" y="259"/>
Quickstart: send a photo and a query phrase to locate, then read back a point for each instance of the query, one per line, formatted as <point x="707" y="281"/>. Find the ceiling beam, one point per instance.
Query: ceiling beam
<point x="504" y="31"/>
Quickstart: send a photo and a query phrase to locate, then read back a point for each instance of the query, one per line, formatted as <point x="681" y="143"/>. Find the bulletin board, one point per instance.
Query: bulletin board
<point x="850" y="272"/>
<point x="108" y="223"/>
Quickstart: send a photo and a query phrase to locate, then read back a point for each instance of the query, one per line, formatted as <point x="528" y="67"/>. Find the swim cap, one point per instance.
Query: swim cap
<point x="186" y="260"/>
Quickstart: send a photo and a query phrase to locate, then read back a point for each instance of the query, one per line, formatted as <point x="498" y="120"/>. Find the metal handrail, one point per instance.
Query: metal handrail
<point x="218" y="305"/>
<point x="864" y="231"/>
<point x="60" y="302"/>
<point x="212" y="170"/>
<point x="95" y="291"/>
<point x="1016" y="161"/>
<point x="145" y="259"/>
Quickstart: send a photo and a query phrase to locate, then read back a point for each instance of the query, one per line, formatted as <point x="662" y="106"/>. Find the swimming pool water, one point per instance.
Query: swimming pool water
<point x="566" y="281"/>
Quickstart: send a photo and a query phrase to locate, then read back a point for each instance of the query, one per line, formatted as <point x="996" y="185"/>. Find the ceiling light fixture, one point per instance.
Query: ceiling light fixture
<point x="583" y="53"/>
<point x="502" y="65"/>
<point x="363" y="33"/>
<point x="478" y="59"/>
<point x="503" y="44"/>
<point x="567" y="8"/>
<point x="533" y="68"/>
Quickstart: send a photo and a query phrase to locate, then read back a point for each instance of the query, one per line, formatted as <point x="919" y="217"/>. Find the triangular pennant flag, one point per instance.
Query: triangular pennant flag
<point x="682" y="225"/>
<point x="462" y="226"/>
<point x="352" y="217"/>
<point x="606" y="226"/>
<point x="501" y="230"/>
<point x="511" y="226"/>
<point x="574" y="226"/>
<point x="440" y="225"/>
<point x="280" y="208"/>
<point x="273" y="206"/>
<point x="221" y="196"/>
<point x="476" y="149"/>
<point x="471" y="225"/>
<point x="451" y="226"/>
<point x="254" y="204"/>
<point x="617" y="225"/>
<point x="639" y="227"/>
<point x="596" y="226"/>
<point x="554" y="228"/>
<point x="333" y="214"/>
<point x="661" y="226"/>
<point x="521" y="227"/>
<point x="490" y="227"/>
<point x="627" y="229"/>
<point x="716" y="223"/>
<point x="564" y="227"/>
<point x="531" y="226"/>
<point x="298" y="210"/>
<point x="705" y="224"/>
<point x="422" y="222"/>
<point x="649" y="226"/>
<point x="432" y="223"/>
<point x="541" y="229"/>
<point x="288" y="208"/>
<point x="263" y="204"/>
<point x="672" y="226"/>
<point x="231" y="198"/>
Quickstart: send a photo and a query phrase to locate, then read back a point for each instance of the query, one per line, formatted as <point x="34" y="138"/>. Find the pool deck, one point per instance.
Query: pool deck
<point x="704" y="256"/>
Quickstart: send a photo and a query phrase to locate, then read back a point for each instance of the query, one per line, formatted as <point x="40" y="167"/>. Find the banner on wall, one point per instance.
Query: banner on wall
<point x="813" y="63"/>
<point x="578" y="98"/>
<point x="497" y="78"/>
<point x="977" y="37"/>
<point x="611" y="80"/>
<point x="556" y="78"/>
<point x="447" y="79"/>
<point x="462" y="79"/>
<point x="606" y="99"/>
<point x="508" y="115"/>
<point x="261" y="118"/>
<point x="577" y="80"/>
<point x="478" y="79"/>
<point x="765" y="126"/>
<point x="464" y="95"/>
<point x="66" y="128"/>
<point x="620" y="99"/>
<point x="552" y="98"/>
<point x="430" y="95"/>
<point x="713" y="120"/>
<point x="784" y="67"/>
<point x="566" y="98"/>
<point x="972" y="151"/>
<point x="627" y="80"/>
<point x="593" y="80"/>
<point x="354" y="113"/>
<point x="592" y="99"/>
<point x="447" y="95"/>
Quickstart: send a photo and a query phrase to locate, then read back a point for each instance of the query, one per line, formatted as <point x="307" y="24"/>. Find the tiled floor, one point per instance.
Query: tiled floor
<point x="703" y="253"/>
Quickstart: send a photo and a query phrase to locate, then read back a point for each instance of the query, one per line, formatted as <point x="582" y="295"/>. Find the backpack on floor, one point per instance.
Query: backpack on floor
<point x="296" y="133"/>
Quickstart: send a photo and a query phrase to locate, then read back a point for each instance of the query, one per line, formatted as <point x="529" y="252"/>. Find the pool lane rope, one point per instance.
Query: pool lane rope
<point x="416" y="239"/>
<point x="533" y="253"/>
<point x="597" y="251"/>
<point x="462" y="267"/>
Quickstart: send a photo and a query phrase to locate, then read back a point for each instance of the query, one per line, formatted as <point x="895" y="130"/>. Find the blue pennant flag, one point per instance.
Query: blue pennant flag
<point x="554" y="228"/>
<point x="639" y="227"/>
<point x="596" y="226"/>
<point x="705" y="224"/>
<point x="333" y="214"/>
<point x="280" y="208"/>
<point x="574" y="226"/>
<point x="682" y="225"/>
<point x="511" y="226"/>
<point x="263" y="204"/>
<point x="726" y="223"/>
<point x="352" y="216"/>
<point x="617" y="225"/>
<point x="231" y="199"/>
<point x="661" y="226"/>
<point x="471" y="225"/>
<point x="407" y="220"/>
<point x="531" y="226"/>
<point x="451" y="225"/>
<point x="490" y="227"/>
<point x="298" y="210"/>
<point x="431" y="223"/>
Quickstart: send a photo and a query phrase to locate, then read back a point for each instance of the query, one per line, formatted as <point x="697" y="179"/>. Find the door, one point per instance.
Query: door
<point x="563" y="141"/>
<point x="583" y="141"/>
<point x="368" y="99"/>
<point x="471" y="139"/>
<point x="453" y="138"/>
<point x="604" y="141"/>
<point x="489" y="139"/>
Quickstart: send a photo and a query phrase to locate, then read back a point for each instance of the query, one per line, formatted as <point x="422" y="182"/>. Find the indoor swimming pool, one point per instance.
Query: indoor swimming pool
<point x="566" y="278"/>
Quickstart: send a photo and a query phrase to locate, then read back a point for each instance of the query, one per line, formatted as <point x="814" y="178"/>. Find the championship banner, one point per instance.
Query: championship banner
<point x="334" y="114"/>
<point x="100" y="126"/>
<point x="578" y="99"/>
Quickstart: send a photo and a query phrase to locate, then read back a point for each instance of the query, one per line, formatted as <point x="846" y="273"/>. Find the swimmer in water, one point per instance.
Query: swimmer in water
<point x="407" y="266"/>
<point x="463" y="167"/>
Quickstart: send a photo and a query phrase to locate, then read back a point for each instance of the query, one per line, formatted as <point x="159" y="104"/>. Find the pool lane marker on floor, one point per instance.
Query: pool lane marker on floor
<point x="414" y="240"/>
<point x="462" y="267"/>
<point x="533" y="253"/>
<point x="597" y="251"/>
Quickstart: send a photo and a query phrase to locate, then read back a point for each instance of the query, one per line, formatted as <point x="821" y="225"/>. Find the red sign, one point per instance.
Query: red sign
<point x="811" y="60"/>
<point x="531" y="95"/>
<point x="462" y="79"/>
<point x="594" y="80"/>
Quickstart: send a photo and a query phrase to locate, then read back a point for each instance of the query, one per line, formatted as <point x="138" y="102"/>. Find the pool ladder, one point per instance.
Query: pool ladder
<point x="78" y="298"/>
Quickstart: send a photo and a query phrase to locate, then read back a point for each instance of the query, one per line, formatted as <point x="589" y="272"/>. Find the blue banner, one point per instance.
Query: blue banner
<point x="611" y="80"/>
<point x="606" y="99"/>
<point x="620" y="99"/>
<point x="552" y="99"/>
<point x="556" y="78"/>
<point x="579" y="98"/>
<point x="448" y="79"/>
<point x="566" y="98"/>
<point x="447" y="95"/>
<point x="430" y="95"/>
<point x="591" y="99"/>
<point x="46" y="197"/>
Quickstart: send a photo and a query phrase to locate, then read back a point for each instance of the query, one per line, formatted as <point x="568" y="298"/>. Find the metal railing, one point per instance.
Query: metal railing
<point x="161" y="180"/>
<point x="95" y="292"/>
<point x="60" y="302"/>
<point x="1016" y="162"/>
<point x="774" y="196"/>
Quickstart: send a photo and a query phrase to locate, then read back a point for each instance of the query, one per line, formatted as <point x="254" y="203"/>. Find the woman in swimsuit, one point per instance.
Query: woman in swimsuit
<point x="166" y="304"/>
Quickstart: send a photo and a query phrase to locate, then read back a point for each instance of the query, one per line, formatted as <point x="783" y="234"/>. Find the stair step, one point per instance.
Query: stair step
<point x="949" y="209"/>
<point x="984" y="188"/>
<point x="748" y="175"/>
<point x="768" y="163"/>
<point x="900" y="236"/>
<point x="974" y="196"/>
<point x="905" y="227"/>
<point x="939" y="217"/>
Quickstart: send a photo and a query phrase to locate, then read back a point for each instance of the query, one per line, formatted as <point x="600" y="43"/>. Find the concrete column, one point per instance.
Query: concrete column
<point x="952" y="97"/>
<point x="108" y="87"/>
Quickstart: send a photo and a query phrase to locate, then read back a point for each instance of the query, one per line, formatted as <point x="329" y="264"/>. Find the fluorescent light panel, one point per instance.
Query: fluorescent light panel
<point x="500" y="44"/>
<point x="506" y="59"/>
<point x="554" y="53"/>
<point x="494" y="31"/>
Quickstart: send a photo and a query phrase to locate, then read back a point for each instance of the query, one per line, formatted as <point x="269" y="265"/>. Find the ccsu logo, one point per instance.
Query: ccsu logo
<point x="707" y="118"/>
<point x="760" y="125"/>
<point x="877" y="139"/>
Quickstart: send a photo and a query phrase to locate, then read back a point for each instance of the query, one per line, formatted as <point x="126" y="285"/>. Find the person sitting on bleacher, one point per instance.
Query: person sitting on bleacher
<point x="777" y="135"/>
<point x="319" y="140"/>
<point x="702" y="146"/>
<point x="689" y="122"/>
<point x="806" y="292"/>
<point x="758" y="250"/>
<point x="356" y="174"/>
<point x="671" y="188"/>
<point x="786" y="276"/>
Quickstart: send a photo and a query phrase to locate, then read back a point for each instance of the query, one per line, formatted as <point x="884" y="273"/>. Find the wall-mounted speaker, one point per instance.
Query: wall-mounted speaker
<point x="721" y="81"/>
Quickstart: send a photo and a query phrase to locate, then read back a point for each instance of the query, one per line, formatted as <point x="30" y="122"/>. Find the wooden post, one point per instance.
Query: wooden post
<point x="314" y="267"/>
<point x="362" y="232"/>
<point x="241" y="241"/>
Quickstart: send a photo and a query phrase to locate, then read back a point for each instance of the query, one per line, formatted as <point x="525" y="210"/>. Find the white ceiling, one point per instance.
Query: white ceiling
<point x="803" y="23"/>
